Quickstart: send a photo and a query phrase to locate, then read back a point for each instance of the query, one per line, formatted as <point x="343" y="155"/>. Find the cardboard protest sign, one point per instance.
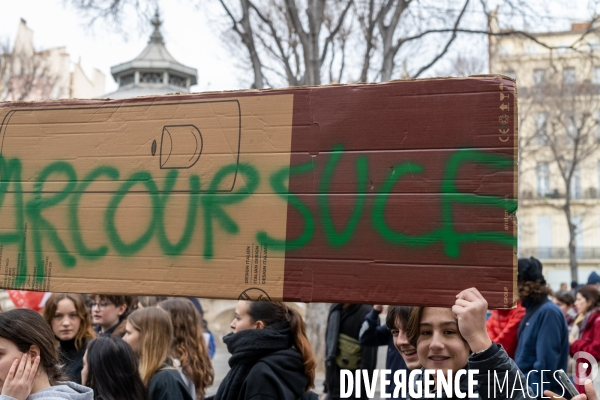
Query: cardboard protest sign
<point x="395" y="193"/>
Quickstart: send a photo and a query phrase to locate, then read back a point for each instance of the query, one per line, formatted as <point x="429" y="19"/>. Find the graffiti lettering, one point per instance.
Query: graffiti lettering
<point x="215" y="215"/>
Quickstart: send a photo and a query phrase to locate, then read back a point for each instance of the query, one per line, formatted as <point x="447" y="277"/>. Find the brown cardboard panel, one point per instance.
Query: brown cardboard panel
<point x="398" y="193"/>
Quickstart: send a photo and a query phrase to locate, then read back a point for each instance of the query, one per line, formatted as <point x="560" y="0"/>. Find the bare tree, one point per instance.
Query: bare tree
<point x="565" y="136"/>
<point x="26" y="74"/>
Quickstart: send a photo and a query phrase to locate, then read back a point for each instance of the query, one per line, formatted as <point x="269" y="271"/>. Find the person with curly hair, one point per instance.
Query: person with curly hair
<point x="188" y="349"/>
<point x="68" y="316"/>
<point x="543" y="336"/>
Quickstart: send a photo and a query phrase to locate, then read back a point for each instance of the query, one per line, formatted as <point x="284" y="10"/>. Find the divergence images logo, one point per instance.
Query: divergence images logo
<point x="581" y="367"/>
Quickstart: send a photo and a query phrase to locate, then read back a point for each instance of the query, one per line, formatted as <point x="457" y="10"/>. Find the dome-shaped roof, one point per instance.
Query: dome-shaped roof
<point x="154" y="71"/>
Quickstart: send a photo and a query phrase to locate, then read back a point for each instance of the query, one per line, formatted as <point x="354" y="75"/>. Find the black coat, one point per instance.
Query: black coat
<point x="72" y="359"/>
<point x="279" y="375"/>
<point x="167" y="384"/>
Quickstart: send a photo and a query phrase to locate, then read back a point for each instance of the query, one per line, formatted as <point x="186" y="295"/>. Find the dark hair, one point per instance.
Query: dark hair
<point x="188" y="344"/>
<point x="117" y="300"/>
<point x="400" y="314"/>
<point x="113" y="370"/>
<point x="534" y="290"/>
<point x="26" y="328"/>
<point x="574" y="284"/>
<point x="565" y="298"/>
<point x="270" y="312"/>
<point x="590" y="293"/>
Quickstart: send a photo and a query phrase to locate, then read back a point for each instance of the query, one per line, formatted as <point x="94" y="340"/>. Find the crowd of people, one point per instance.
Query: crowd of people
<point x="122" y="347"/>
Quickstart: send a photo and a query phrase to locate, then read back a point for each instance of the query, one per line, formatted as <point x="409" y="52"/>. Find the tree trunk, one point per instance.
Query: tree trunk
<point x="316" y="325"/>
<point x="572" y="245"/>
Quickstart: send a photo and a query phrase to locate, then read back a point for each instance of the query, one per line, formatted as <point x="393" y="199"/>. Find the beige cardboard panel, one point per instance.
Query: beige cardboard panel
<point x="88" y="239"/>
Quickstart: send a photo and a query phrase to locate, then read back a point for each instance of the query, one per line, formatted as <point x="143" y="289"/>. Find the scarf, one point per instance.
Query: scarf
<point x="247" y="348"/>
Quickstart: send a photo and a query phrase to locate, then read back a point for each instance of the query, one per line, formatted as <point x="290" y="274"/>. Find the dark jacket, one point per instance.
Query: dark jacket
<point x="349" y="323"/>
<point x="590" y="343"/>
<point x="72" y="359"/>
<point x="281" y="376"/>
<point x="167" y="384"/>
<point x="373" y="335"/>
<point x="493" y="360"/>
<point x="117" y="330"/>
<point x="543" y="343"/>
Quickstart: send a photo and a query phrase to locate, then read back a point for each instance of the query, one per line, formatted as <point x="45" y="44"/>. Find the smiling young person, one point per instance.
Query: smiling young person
<point x="70" y="321"/>
<point x="455" y="339"/>
<point x="397" y="321"/>
<point x="29" y="364"/>
<point x="109" y="313"/>
<point x="271" y="357"/>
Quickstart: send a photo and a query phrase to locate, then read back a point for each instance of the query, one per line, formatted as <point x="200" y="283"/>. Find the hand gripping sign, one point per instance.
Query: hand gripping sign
<point x="333" y="194"/>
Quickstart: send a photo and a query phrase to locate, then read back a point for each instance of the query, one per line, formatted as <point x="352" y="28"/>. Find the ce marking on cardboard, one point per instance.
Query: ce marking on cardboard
<point x="504" y="117"/>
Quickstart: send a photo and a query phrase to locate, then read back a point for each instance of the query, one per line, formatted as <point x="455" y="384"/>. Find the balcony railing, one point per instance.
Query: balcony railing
<point x="582" y="253"/>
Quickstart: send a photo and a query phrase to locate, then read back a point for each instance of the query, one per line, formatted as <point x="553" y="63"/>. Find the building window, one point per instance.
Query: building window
<point x="544" y="231"/>
<point x="127" y="79"/>
<point x="541" y="123"/>
<point x="596" y="78"/>
<point x="543" y="179"/>
<point x="569" y="76"/>
<point x="539" y="77"/>
<point x="177" y="81"/>
<point x="151" y="77"/>
<point x="510" y="74"/>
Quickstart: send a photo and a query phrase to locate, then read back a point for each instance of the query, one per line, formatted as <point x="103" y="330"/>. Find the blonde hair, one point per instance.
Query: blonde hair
<point x="85" y="332"/>
<point x="156" y="334"/>
<point x="188" y="345"/>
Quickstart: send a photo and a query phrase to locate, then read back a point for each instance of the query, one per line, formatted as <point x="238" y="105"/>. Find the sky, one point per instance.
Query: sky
<point x="189" y="36"/>
<point x="192" y="36"/>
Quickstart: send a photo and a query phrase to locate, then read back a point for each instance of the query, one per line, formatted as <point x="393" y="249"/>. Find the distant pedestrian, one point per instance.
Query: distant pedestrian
<point x="271" y="357"/>
<point x="109" y="313"/>
<point x="587" y="303"/>
<point x="29" y="363"/>
<point x="543" y="343"/>
<point x="70" y="320"/>
<point x="566" y="302"/>
<point x="594" y="279"/>
<point x="110" y="369"/>
<point x="188" y="349"/>
<point x="342" y="346"/>
<point x="503" y="326"/>
<point x="149" y="332"/>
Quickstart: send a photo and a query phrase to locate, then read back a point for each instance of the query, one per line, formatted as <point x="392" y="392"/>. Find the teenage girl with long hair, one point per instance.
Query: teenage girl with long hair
<point x="110" y="369"/>
<point x="149" y="333"/>
<point x="71" y="323"/>
<point x="270" y="354"/>
<point x="188" y="347"/>
<point x="29" y="363"/>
